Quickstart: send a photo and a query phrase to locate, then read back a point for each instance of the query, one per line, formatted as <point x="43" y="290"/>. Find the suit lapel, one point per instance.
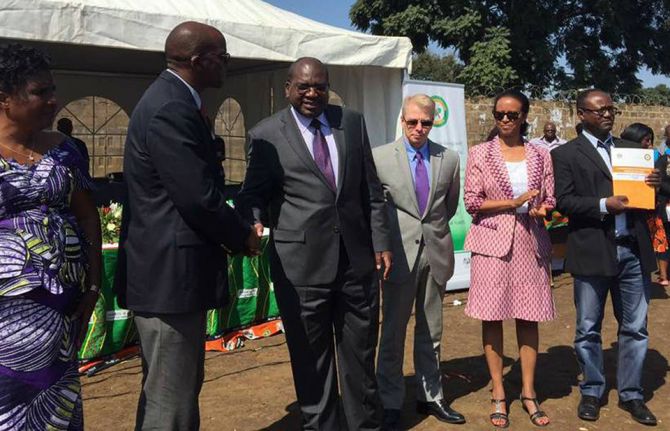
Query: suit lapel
<point x="494" y="160"/>
<point x="535" y="169"/>
<point x="592" y="154"/>
<point x="292" y="134"/>
<point x="339" y="134"/>
<point x="436" y="160"/>
<point x="402" y="160"/>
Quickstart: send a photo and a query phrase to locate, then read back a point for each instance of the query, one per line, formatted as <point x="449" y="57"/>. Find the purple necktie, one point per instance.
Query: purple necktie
<point x="322" y="155"/>
<point x="421" y="182"/>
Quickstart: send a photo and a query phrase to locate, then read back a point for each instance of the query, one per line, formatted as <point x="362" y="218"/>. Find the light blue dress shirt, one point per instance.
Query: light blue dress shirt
<point x="196" y="96"/>
<point x="620" y="228"/>
<point x="411" y="155"/>
<point x="308" y="132"/>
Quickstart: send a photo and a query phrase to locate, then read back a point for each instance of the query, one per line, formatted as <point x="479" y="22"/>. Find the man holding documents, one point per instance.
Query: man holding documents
<point x="609" y="250"/>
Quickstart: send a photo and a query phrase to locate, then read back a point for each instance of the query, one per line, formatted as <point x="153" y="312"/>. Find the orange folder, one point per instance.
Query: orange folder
<point x="630" y="166"/>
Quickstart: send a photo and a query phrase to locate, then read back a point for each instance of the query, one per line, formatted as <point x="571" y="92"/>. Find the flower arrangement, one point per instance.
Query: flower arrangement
<point x="110" y="222"/>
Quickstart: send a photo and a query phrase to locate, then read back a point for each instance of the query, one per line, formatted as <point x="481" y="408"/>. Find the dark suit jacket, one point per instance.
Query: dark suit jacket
<point x="285" y="188"/>
<point x="171" y="259"/>
<point x="581" y="179"/>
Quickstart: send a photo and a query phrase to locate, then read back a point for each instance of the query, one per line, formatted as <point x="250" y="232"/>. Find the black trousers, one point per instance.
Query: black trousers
<point x="319" y="321"/>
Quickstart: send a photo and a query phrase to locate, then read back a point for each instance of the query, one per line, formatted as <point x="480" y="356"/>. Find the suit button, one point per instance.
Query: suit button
<point x="416" y="241"/>
<point x="336" y="229"/>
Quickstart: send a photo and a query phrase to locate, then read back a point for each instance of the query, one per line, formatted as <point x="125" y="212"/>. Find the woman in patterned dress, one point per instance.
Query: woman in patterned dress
<point x="50" y="257"/>
<point x="509" y="187"/>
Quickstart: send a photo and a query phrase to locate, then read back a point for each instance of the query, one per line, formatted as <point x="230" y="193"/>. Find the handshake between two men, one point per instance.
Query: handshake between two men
<point x="252" y="246"/>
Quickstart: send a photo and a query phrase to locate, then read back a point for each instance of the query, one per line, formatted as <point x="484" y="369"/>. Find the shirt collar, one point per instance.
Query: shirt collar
<point x="304" y="122"/>
<point x="411" y="151"/>
<point x="594" y="141"/>
<point x="196" y="96"/>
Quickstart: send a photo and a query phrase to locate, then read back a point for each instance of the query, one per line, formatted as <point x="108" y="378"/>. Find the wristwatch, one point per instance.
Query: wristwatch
<point x="94" y="288"/>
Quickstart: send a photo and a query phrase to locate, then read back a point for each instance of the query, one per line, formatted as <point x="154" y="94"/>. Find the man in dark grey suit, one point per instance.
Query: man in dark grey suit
<point x="312" y="179"/>
<point x="172" y="263"/>
<point x="421" y="181"/>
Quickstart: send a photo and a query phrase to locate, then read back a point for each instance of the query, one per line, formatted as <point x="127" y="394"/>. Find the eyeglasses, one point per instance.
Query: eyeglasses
<point x="224" y="57"/>
<point x="305" y="88"/>
<point x="512" y="116"/>
<point x="424" y="123"/>
<point x="602" y="111"/>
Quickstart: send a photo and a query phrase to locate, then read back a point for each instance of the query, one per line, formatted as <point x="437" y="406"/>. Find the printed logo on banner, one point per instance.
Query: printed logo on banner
<point x="441" y="111"/>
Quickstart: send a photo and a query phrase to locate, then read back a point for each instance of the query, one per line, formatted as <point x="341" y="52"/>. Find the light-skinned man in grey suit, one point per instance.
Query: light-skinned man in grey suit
<point x="421" y="185"/>
<point x="312" y="179"/>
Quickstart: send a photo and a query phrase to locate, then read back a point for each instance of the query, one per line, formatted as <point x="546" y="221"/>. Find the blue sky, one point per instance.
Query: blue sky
<point x="336" y="12"/>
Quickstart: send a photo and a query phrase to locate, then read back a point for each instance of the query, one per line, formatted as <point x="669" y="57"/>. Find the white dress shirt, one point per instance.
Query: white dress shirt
<point x="518" y="178"/>
<point x="620" y="228"/>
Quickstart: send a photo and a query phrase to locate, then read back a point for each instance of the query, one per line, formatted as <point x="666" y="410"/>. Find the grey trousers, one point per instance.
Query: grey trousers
<point x="420" y="289"/>
<point x="173" y="368"/>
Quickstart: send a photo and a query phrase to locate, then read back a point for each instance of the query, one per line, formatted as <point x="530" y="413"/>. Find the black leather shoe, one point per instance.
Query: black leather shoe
<point x="589" y="408"/>
<point x="391" y="421"/>
<point x="639" y="411"/>
<point x="440" y="410"/>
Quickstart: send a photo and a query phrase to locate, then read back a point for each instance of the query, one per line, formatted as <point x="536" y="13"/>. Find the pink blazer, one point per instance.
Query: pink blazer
<point x="486" y="177"/>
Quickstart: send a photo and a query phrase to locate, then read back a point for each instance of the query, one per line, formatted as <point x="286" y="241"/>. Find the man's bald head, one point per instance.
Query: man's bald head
<point x="307" y="85"/>
<point x="197" y="53"/>
<point x="188" y="39"/>
<point x="306" y="62"/>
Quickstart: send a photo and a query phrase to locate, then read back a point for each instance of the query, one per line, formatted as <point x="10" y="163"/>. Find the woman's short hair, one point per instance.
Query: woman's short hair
<point x="522" y="98"/>
<point x="636" y="132"/>
<point x="18" y="64"/>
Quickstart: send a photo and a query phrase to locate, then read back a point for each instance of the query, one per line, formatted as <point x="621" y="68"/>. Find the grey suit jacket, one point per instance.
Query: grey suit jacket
<point x="285" y="189"/>
<point x="408" y="227"/>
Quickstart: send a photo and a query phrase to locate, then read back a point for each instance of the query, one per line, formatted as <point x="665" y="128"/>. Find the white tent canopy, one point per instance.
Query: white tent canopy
<point x="253" y="29"/>
<point x="113" y="49"/>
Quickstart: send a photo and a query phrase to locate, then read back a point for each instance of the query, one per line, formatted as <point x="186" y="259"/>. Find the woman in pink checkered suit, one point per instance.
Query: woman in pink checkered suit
<point x="509" y="187"/>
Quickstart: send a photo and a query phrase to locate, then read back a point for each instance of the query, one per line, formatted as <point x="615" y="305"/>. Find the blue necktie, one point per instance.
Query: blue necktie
<point x="421" y="185"/>
<point x="607" y="146"/>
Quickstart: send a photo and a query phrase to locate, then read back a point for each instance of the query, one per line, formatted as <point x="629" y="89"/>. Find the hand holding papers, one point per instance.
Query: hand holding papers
<point x="630" y="169"/>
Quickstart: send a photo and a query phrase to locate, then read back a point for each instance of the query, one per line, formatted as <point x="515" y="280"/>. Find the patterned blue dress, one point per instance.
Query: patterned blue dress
<point x="42" y="269"/>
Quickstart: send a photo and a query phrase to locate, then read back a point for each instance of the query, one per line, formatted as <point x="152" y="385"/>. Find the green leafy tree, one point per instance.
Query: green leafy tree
<point x="488" y="69"/>
<point x="432" y="67"/>
<point x="659" y="95"/>
<point x="566" y="44"/>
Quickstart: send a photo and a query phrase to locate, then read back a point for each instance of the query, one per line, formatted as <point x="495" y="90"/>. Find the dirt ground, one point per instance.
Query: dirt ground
<point x="252" y="389"/>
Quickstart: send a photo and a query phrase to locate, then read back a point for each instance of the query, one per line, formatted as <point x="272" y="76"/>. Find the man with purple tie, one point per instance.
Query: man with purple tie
<point x="312" y="180"/>
<point x="421" y="185"/>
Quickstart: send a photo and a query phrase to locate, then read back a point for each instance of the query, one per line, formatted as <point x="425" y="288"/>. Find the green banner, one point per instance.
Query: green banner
<point x="111" y="327"/>
<point x="252" y="298"/>
<point x="251" y="301"/>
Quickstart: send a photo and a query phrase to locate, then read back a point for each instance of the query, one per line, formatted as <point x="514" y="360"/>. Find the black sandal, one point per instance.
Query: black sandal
<point x="499" y="415"/>
<point x="538" y="413"/>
